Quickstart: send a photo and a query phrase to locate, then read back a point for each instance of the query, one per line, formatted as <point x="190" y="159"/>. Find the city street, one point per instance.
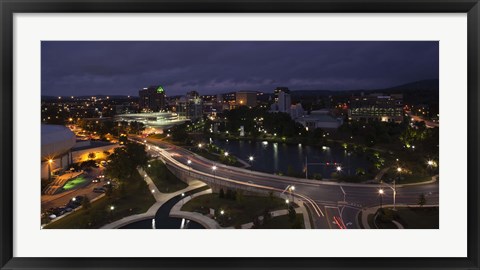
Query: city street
<point x="325" y="194"/>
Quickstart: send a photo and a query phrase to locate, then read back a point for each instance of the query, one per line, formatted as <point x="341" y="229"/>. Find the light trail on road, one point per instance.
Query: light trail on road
<point x="312" y="193"/>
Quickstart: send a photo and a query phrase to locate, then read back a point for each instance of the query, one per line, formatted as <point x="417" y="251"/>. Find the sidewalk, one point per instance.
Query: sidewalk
<point x="209" y="223"/>
<point x="160" y="199"/>
<point x="205" y="221"/>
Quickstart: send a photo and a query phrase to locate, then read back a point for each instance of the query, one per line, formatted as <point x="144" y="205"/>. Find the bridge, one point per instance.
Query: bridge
<point x="348" y="199"/>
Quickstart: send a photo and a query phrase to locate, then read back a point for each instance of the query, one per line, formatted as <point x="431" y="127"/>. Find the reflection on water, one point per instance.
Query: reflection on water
<point x="278" y="157"/>
<point x="163" y="220"/>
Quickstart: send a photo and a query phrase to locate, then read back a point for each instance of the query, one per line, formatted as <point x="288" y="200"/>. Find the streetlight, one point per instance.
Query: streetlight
<point x="339" y="169"/>
<point x="381" y="192"/>
<point x="199" y="145"/>
<point x="292" y="189"/>
<point x="214" y="168"/>
<point x="50" y="161"/>
<point x="189" y="162"/>
<point x="287" y="201"/>
<point x="250" y="158"/>
<point x="226" y="154"/>
<point x="112" y="208"/>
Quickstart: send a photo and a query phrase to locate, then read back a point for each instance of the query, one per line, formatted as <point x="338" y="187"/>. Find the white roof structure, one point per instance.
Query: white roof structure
<point x="56" y="140"/>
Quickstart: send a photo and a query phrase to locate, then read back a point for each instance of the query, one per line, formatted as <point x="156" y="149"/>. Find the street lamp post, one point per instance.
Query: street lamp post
<point x="292" y="189"/>
<point x="50" y="169"/>
<point x="189" y="162"/>
<point x="394" y="195"/>
<point x="250" y="158"/>
<point x="380" y="191"/>
<point x="214" y="168"/>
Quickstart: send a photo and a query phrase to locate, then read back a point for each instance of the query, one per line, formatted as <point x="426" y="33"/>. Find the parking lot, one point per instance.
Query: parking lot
<point x="50" y="202"/>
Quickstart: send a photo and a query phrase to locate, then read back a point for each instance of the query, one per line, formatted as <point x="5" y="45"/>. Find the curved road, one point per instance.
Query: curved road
<point x="328" y="196"/>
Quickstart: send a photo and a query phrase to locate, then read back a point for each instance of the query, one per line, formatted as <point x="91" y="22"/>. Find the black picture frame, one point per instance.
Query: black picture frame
<point x="9" y="7"/>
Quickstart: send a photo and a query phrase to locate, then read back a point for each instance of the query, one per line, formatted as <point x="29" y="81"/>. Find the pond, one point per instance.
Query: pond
<point x="163" y="220"/>
<point x="273" y="157"/>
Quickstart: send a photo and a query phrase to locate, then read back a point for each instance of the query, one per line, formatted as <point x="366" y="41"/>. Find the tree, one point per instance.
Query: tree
<point x="125" y="160"/>
<point x="360" y="171"/>
<point x="292" y="214"/>
<point x="179" y="133"/>
<point x="91" y="155"/>
<point x="256" y="223"/>
<point x="239" y="196"/>
<point x="86" y="203"/>
<point x="267" y="216"/>
<point x="290" y="171"/>
<point x="297" y="224"/>
<point x="422" y="200"/>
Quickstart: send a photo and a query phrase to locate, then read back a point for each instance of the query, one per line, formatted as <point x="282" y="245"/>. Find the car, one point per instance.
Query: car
<point x="96" y="180"/>
<point x="59" y="211"/>
<point x="99" y="190"/>
<point x="68" y="209"/>
<point x="75" y="202"/>
<point x="52" y="216"/>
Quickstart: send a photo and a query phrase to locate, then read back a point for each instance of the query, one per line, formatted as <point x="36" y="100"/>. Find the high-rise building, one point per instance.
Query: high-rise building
<point x="385" y="108"/>
<point x="152" y="99"/>
<point x="190" y="106"/>
<point x="284" y="102"/>
<point x="278" y="90"/>
<point x="194" y="105"/>
<point x="246" y="98"/>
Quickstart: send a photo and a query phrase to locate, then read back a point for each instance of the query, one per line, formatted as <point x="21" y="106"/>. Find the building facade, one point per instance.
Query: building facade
<point x="152" y="99"/>
<point x="282" y="100"/>
<point x="320" y="119"/>
<point x="385" y="108"/>
<point x="190" y="106"/>
<point x="246" y="98"/>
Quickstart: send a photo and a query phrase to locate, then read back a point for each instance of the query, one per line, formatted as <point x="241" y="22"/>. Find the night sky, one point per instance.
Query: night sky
<point x="122" y="68"/>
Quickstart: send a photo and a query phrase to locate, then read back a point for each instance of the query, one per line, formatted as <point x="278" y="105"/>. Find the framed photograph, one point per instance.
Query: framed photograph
<point x="239" y="134"/>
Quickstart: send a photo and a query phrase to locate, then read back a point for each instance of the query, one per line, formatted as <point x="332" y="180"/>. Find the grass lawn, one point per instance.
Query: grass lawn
<point x="418" y="217"/>
<point x="409" y="217"/>
<point x="74" y="182"/>
<point x="415" y="179"/>
<point x="134" y="199"/>
<point x="282" y="222"/>
<point x="216" y="158"/>
<point x="165" y="180"/>
<point x="378" y="224"/>
<point x="237" y="212"/>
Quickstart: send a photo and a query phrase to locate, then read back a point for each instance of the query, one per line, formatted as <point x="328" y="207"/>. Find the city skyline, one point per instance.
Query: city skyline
<point x="123" y="68"/>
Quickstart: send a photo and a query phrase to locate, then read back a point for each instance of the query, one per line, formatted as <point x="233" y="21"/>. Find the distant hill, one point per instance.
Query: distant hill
<point x="85" y="97"/>
<point x="424" y="91"/>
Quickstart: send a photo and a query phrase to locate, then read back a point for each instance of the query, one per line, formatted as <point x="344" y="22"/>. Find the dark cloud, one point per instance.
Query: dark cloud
<point x="91" y="67"/>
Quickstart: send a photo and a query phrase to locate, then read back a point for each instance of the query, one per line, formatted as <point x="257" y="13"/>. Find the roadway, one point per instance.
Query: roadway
<point x="321" y="196"/>
<point x="428" y="123"/>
